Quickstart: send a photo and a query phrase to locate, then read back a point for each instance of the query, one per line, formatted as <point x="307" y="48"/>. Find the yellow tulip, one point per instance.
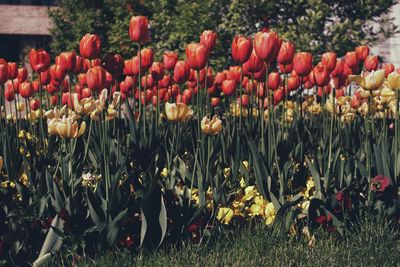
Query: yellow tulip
<point x="211" y="127"/>
<point x="177" y="112"/>
<point x="225" y="215"/>
<point x="370" y="82"/>
<point x="69" y="128"/>
<point x="256" y="210"/>
<point x="393" y="81"/>
<point x="52" y="126"/>
<point x="387" y="92"/>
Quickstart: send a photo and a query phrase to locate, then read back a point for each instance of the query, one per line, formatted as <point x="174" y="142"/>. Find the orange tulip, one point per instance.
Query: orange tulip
<point x="362" y="52"/>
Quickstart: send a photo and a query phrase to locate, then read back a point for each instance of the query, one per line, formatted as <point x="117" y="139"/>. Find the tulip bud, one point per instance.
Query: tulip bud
<point x="3" y="71"/>
<point x="253" y="64"/>
<point x="181" y="72"/>
<point x="139" y="29"/>
<point x="228" y="87"/>
<point x="329" y="60"/>
<point x="57" y="73"/>
<point x="39" y="60"/>
<point x="371" y="63"/>
<point x="321" y="75"/>
<point x="362" y="52"/>
<point x="197" y="56"/>
<point x="25" y="89"/>
<point x="273" y="80"/>
<point x="265" y="44"/>
<point x="22" y="74"/>
<point x="96" y="78"/>
<point x="302" y="63"/>
<point x="208" y="39"/>
<point x="67" y="61"/>
<point x="169" y="60"/>
<point x="286" y="53"/>
<point x="90" y="46"/>
<point x="157" y="71"/>
<point x="12" y="70"/>
<point x="351" y="59"/>
<point x="242" y="48"/>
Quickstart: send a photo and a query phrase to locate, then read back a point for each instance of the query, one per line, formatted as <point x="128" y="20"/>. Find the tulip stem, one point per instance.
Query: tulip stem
<point x="396" y="136"/>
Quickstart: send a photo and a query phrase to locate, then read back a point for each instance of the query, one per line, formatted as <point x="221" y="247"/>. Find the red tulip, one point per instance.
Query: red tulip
<point x="244" y="100"/>
<point x="347" y="70"/>
<point x="351" y="59"/>
<point x="114" y="64"/>
<point x="265" y="44"/>
<point x="128" y="67"/>
<point x="285" y="68"/>
<point x="170" y="59"/>
<point x="286" y="53"/>
<point x="293" y="82"/>
<point x="242" y="48"/>
<point x="12" y="70"/>
<point x="181" y="72"/>
<point x="54" y="100"/>
<point x="35" y="85"/>
<point x="254" y="64"/>
<point x="147" y="81"/>
<point x="157" y="71"/>
<point x="57" y="73"/>
<point x="139" y="29"/>
<point x="34" y="104"/>
<point x="329" y="60"/>
<point x="135" y="66"/>
<point x="165" y="81"/>
<point x="78" y="64"/>
<point x="147" y="58"/>
<point x="228" y="87"/>
<point x="86" y="92"/>
<point x="196" y="55"/>
<point x="339" y="92"/>
<point x="321" y="75"/>
<point x="275" y="53"/>
<point x="9" y="95"/>
<point x="208" y="39"/>
<point x="234" y="73"/>
<point x="220" y="77"/>
<point x="96" y="78"/>
<point x="67" y="61"/>
<point x="273" y="80"/>
<point x="338" y="70"/>
<point x="3" y="71"/>
<point x="52" y="88"/>
<point x="215" y="101"/>
<point x="278" y="96"/>
<point x="326" y="90"/>
<point x="388" y="67"/>
<point x="260" y="75"/>
<point x="362" y="52"/>
<point x="39" y="60"/>
<point x="45" y="77"/>
<point x="302" y="63"/>
<point x="371" y="63"/>
<point x="22" y="74"/>
<point x="86" y="65"/>
<point x="90" y="46"/>
<point x="25" y="89"/>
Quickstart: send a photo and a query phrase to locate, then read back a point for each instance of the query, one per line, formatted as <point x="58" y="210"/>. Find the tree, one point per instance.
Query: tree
<point x="313" y="25"/>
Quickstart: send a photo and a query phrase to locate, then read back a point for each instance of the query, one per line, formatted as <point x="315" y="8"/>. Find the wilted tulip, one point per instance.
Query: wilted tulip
<point x="329" y="60"/>
<point x="90" y="46"/>
<point x="265" y="44"/>
<point x="197" y="56"/>
<point x="170" y="59"/>
<point x="181" y="72"/>
<point x="177" y="112"/>
<point x="208" y="39"/>
<point x="242" y="48"/>
<point x="302" y="63"/>
<point x="286" y="54"/>
<point x="372" y="81"/>
<point x="96" y="78"/>
<point x="362" y="52"/>
<point x="211" y="127"/>
<point x="139" y="29"/>
<point x="39" y="60"/>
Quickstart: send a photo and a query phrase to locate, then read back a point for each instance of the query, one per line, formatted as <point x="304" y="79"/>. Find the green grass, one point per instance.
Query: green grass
<point x="374" y="245"/>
